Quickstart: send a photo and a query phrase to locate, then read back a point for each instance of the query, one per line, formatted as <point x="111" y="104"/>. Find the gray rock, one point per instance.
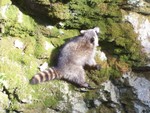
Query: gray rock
<point x="141" y="88"/>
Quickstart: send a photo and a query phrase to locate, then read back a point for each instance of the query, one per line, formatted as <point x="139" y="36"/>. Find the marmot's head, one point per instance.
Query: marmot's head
<point x="91" y="35"/>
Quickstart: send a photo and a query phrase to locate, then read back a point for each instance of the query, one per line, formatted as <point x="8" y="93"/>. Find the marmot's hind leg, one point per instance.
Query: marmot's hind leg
<point x="79" y="79"/>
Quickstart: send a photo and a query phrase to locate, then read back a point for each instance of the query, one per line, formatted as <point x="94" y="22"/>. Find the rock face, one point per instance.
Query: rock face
<point x="137" y="92"/>
<point x="32" y="30"/>
<point x="139" y="18"/>
<point x="141" y="26"/>
<point x="129" y="94"/>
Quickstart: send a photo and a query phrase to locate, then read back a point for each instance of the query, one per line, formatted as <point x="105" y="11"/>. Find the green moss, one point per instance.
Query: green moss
<point x="97" y="77"/>
<point x="29" y="43"/>
<point x="45" y="2"/>
<point x="12" y="53"/>
<point x="15" y="29"/>
<point x="47" y="96"/>
<point x="4" y="2"/>
<point x="14" y="66"/>
<point x="105" y="109"/>
<point x="123" y="39"/>
<point x="4" y="101"/>
<point x="28" y="22"/>
<point x="24" y="70"/>
<point x="59" y="11"/>
<point x="86" y="12"/>
<point x="17" y="66"/>
<point x="8" y="68"/>
<point x="12" y="12"/>
<point x="54" y="32"/>
<point x="62" y="38"/>
<point x="18" y="24"/>
<point x="40" y="49"/>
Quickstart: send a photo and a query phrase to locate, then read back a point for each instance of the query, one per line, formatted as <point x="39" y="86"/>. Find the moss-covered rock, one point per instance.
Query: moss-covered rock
<point x="85" y="14"/>
<point x="43" y="26"/>
<point x="5" y="2"/>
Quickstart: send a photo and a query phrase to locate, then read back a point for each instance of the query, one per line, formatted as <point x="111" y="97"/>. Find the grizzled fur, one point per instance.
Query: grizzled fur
<point x="73" y="56"/>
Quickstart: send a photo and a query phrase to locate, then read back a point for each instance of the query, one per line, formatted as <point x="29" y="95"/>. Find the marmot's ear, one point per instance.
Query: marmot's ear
<point x="97" y="29"/>
<point x="82" y="31"/>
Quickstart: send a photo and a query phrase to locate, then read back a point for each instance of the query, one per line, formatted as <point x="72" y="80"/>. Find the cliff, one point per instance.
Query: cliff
<point x="33" y="31"/>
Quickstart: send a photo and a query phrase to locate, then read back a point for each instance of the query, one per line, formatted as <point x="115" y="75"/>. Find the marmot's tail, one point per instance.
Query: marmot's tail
<point x="46" y="75"/>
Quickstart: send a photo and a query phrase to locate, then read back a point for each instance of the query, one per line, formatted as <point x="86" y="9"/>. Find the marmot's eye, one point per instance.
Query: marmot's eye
<point x="92" y="40"/>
